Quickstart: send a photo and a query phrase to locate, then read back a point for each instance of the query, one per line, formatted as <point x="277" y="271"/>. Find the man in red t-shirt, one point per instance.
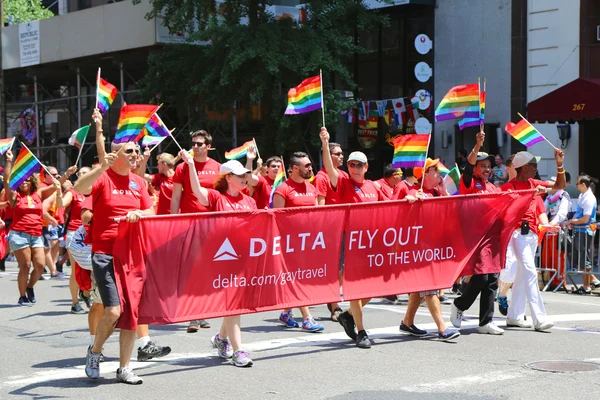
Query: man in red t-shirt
<point x="352" y="189"/>
<point x="296" y="191"/>
<point x="161" y="182"/>
<point x="390" y="183"/>
<point x="524" y="241"/>
<point x="326" y="195"/>
<point x="116" y="193"/>
<point x="475" y="180"/>
<point x="261" y="189"/>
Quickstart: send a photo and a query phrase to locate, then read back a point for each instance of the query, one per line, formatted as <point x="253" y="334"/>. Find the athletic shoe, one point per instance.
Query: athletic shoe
<point x="92" y="364"/>
<point x="503" y="305"/>
<point x="203" y="324"/>
<point x="456" y="289"/>
<point x="455" y="316"/>
<point x="24" y="302"/>
<point x="490" y="328"/>
<point x="391" y="299"/>
<point x="59" y="275"/>
<point x="86" y="299"/>
<point x="241" y="359"/>
<point x="126" y="375"/>
<point x="30" y="295"/>
<point x="44" y="277"/>
<point x="288" y="320"/>
<point x="412" y="330"/>
<point x="518" y="323"/>
<point x="363" y="341"/>
<point x="445" y="300"/>
<point x="595" y="284"/>
<point x="223" y="346"/>
<point x="543" y="326"/>
<point x="347" y="321"/>
<point x="309" y="325"/>
<point x="77" y="309"/>
<point x="193" y="327"/>
<point x="448" y="335"/>
<point x="152" y="350"/>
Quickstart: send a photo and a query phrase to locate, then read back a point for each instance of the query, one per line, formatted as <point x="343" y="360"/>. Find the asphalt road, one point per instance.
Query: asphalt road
<point x="44" y="352"/>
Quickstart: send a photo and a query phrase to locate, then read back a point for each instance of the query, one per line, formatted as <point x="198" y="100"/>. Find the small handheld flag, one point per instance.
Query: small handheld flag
<point x="305" y="97"/>
<point x="239" y="152"/>
<point x="25" y="165"/>
<point x="132" y="120"/>
<point x="151" y="141"/>
<point x="78" y="137"/>
<point x="105" y="94"/>
<point x="279" y="179"/>
<point x="6" y="144"/>
<point x="460" y="102"/>
<point x="410" y="151"/>
<point x="452" y="181"/>
<point x="524" y="132"/>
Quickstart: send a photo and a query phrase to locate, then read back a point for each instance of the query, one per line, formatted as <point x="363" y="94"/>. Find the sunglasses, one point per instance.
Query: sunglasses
<point x="356" y="165"/>
<point x="129" y="151"/>
<point x="308" y="165"/>
<point x="198" y="144"/>
<point x="339" y="153"/>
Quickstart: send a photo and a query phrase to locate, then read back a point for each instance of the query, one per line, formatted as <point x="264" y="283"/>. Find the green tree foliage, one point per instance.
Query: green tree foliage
<point x="21" y="11"/>
<point x="251" y="52"/>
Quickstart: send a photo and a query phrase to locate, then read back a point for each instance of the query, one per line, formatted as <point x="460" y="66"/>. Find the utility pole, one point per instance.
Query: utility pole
<point x="2" y="98"/>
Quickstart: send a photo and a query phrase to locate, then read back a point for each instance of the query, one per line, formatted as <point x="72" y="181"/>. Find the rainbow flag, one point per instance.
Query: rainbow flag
<point x="524" y="132"/>
<point x="239" y="152"/>
<point x="466" y="122"/>
<point x="155" y="127"/>
<point x="151" y="141"/>
<point x="305" y="97"/>
<point x="279" y="179"/>
<point x="452" y="181"/>
<point x="25" y="165"/>
<point x="132" y="120"/>
<point x="482" y="106"/>
<point x="78" y="137"/>
<point x="6" y="144"/>
<point x="460" y="102"/>
<point x="443" y="170"/>
<point x="106" y="95"/>
<point x="410" y="151"/>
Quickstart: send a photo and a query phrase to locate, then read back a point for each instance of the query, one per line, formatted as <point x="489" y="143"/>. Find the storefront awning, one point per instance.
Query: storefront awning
<point x="577" y="100"/>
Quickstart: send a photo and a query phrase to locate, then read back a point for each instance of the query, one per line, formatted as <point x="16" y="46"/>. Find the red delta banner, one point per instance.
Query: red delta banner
<point x="212" y="265"/>
<point x="173" y="269"/>
<point x="426" y="245"/>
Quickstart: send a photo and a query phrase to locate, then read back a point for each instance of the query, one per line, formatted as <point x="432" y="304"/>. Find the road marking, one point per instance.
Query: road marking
<point x="458" y="384"/>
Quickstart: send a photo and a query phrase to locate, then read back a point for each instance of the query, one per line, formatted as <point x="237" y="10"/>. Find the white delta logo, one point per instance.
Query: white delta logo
<point x="258" y="247"/>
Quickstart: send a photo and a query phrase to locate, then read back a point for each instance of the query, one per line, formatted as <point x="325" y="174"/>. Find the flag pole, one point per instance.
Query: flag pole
<point x="43" y="166"/>
<point x="175" y="140"/>
<point x="256" y="147"/>
<point x="322" y="102"/>
<point x="156" y="145"/>
<point x="425" y="163"/>
<point x="97" y="86"/>
<point x="479" y="90"/>
<point x="550" y="143"/>
<point x="80" y="149"/>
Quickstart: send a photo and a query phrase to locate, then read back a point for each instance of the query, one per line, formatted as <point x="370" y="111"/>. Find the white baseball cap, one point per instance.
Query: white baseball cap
<point x="357" y="156"/>
<point x="233" y="167"/>
<point x="524" y="157"/>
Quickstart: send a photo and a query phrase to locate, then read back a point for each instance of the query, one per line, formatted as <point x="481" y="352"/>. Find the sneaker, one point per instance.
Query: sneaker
<point x="448" y="335"/>
<point x="31" y="295"/>
<point x="445" y="300"/>
<point x="309" y="325"/>
<point x="59" y="275"/>
<point x="24" y="302"/>
<point x="92" y="364"/>
<point x="193" y="327"/>
<point x="347" y="321"/>
<point x="595" y="284"/>
<point x="77" y="309"/>
<point x="490" y="328"/>
<point x="456" y="289"/>
<point x="241" y="359"/>
<point x="503" y="305"/>
<point x="152" y="350"/>
<point x="412" y="330"/>
<point x="391" y="299"/>
<point x="544" y="326"/>
<point x="363" y="341"/>
<point x="86" y="299"/>
<point x="126" y="375"/>
<point x="455" y="316"/>
<point x="44" y="277"/>
<point x="288" y="320"/>
<point x="223" y="346"/>
<point x="584" y="291"/>
<point x="518" y="323"/>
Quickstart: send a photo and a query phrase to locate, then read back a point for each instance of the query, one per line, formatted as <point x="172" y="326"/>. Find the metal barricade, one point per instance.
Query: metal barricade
<point x="582" y="255"/>
<point x="551" y="260"/>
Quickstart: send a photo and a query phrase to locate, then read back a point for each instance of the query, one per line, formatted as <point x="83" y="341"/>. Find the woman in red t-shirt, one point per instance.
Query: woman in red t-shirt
<point x="228" y="196"/>
<point x="25" y="236"/>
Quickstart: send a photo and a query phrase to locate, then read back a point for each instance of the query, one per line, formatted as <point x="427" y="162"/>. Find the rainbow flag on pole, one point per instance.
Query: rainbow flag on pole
<point x="482" y="104"/>
<point x="443" y="170"/>
<point x="410" y="151"/>
<point x="239" y="152"/>
<point x="132" y="120"/>
<point x="452" y="181"/>
<point x="524" y="132"/>
<point x="460" y="102"/>
<point x="155" y="127"/>
<point x="6" y="144"/>
<point x="305" y="97"/>
<point x="279" y="179"/>
<point x="106" y="94"/>
<point x="25" y="165"/>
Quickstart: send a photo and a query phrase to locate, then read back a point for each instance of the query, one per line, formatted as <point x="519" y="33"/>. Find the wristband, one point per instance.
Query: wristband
<point x="560" y="172"/>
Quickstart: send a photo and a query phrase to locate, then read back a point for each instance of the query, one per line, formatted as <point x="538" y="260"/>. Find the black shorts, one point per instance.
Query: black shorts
<point x="104" y="274"/>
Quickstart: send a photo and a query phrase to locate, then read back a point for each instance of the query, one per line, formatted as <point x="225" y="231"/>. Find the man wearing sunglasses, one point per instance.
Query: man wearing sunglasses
<point x="353" y="189"/>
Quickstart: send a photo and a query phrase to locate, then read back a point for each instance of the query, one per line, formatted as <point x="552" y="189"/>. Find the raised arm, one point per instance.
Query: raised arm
<point x="472" y="159"/>
<point x="11" y="196"/>
<point x="85" y="182"/>
<point x="561" y="182"/>
<point x="332" y="171"/>
<point x="142" y="168"/>
<point x="100" y="149"/>
<point x="200" y="192"/>
<point x="250" y="156"/>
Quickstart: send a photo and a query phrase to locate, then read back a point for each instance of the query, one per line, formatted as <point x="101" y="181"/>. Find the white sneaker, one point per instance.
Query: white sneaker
<point x="455" y="316"/>
<point x="490" y="328"/>
<point x="518" y="323"/>
<point x="544" y="325"/>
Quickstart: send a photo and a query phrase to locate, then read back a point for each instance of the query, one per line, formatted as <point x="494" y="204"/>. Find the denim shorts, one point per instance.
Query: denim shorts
<point x="50" y="234"/>
<point x="428" y="293"/>
<point x="20" y="240"/>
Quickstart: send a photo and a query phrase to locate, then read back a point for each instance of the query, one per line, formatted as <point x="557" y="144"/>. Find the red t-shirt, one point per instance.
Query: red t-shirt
<point x="477" y="186"/>
<point x="402" y="190"/>
<point x="87" y="205"/>
<point x="164" y="185"/>
<point x="386" y="190"/>
<point x="225" y="202"/>
<point x="323" y="185"/>
<point x="536" y="207"/>
<point x="27" y="214"/>
<point x="297" y="194"/>
<point x="76" y="204"/>
<point x="262" y="192"/>
<point x="353" y="192"/>
<point x="207" y="173"/>
<point x="427" y="192"/>
<point x="114" y="196"/>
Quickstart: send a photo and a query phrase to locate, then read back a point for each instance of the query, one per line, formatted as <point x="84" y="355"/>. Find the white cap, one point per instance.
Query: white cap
<point x="524" y="157"/>
<point x="233" y="167"/>
<point x="357" y="156"/>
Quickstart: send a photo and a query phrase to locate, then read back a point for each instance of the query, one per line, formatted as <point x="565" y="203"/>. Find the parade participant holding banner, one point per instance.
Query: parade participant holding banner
<point x="296" y="191"/>
<point x="352" y="189"/>
<point x="474" y="180"/>
<point x="523" y="244"/>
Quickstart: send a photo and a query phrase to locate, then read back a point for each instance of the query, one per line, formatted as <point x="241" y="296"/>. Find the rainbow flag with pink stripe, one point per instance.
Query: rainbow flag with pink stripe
<point x="239" y="152"/>
<point x="106" y="95"/>
<point x="6" y="144"/>
<point x="524" y="132"/>
<point x="460" y="102"/>
<point x="305" y="97"/>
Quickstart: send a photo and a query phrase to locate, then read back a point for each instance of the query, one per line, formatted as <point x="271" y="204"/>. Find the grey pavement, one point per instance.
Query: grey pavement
<point x="43" y="351"/>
